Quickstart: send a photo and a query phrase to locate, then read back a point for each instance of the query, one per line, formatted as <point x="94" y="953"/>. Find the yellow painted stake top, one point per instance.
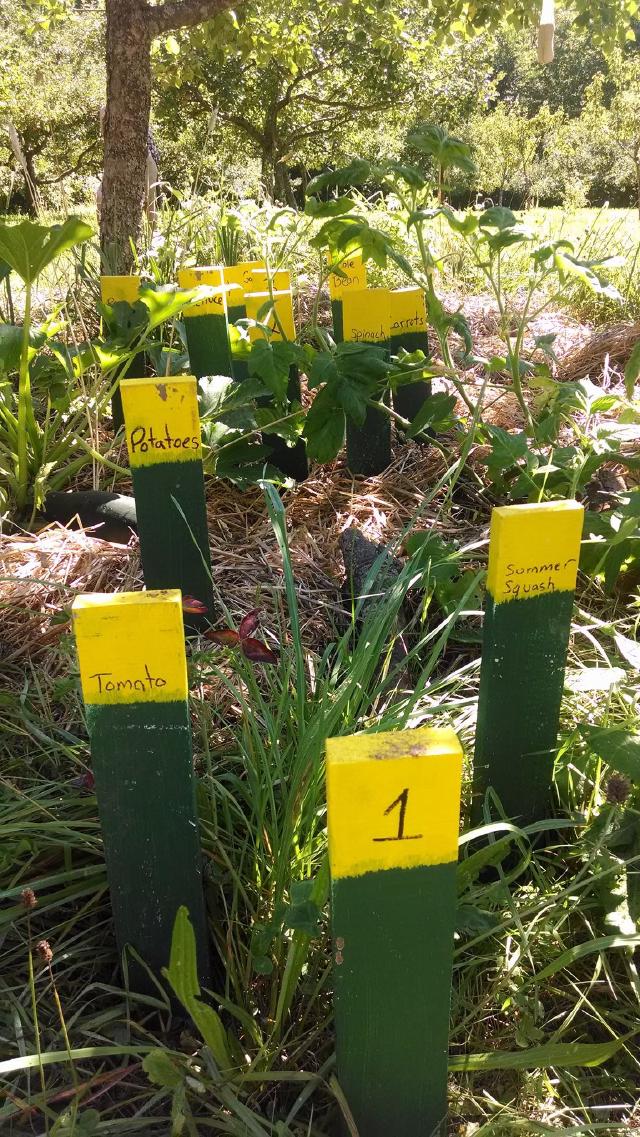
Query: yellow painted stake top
<point x="260" y="277"/>
<point x="354" y="280"/>
<point x="241" y="277"/>
<point x="113" y="289"/>
<point x="534" y="549"/>
<point x="366" y="316"/>
<point x="131" y="647"/>
<point x="393" y="800"/>
<point x="259" y="306"/>
<point x="210" y="275"/>
<point x="162" y="421"/>
<point x="408" y="311"/>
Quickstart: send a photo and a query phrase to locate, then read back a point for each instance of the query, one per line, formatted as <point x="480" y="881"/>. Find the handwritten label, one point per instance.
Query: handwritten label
<point x="114" y="289"/>
<point x="161" y="419"/>
<point x="241" y="277"/>
<point x="211" y="275"/>
<point x="408" y="311"/>
<point x="534" y="549"/>
<point x="393" y="800"/>
<point x="131" y="647"/>
<point x="366" y="316"/>
<point x="260" y="306"/>
<point x="354" y="280"/>
<point x="260" y="277"/>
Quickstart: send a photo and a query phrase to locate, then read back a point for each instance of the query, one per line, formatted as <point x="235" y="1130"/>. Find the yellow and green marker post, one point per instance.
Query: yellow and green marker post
<point x="239" y="279"/>
<point x="533" y="561"/>
<point x="409" y="331"/>
<point x="205" y="323"/>
<point x="393" y="804"/>
<point x="366" y="319"/>
<point x="162" y="427"/>
<point x="134" y="684"/>
<point x="264" y="307"/>
<point x="123" y="290"/>
<point x="353" y="279"/>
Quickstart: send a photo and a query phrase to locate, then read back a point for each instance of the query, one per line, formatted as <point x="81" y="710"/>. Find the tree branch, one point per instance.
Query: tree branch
<point x="182" y="14"/>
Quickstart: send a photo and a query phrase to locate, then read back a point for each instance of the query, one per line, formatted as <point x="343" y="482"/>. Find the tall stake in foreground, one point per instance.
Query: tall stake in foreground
<point x="134" y="684"/>
<point x="393" y="813"/>
<point x="533" y="562"/>
<point x="163" y="437"/>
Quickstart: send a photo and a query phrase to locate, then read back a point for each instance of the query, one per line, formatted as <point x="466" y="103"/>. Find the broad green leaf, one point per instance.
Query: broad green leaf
<point x="28" y="247"/>
<point x="629" y="650"/>
<point x="182" y="972"/>
<point x="335" y="207"/>
<point x="632" y="370"/>
<point x="558" y="1054"/>
<point x="164" y="303"/>
<point x="618" y="748"/>
<point x="161" y="1069"/>
<point x="270" y="361"/>
<point x="355" y="174"/>
<point x="434" y="414"/>
<point x="498" y="217"/>
<point x="325" y="427"/>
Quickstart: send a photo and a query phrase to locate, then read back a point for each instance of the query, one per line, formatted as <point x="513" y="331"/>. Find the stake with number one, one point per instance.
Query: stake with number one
<point x="533" y="561"/>
<point x="163" y="437"/>
<point x="393" y="813"/>
<point x="134" y="684"/>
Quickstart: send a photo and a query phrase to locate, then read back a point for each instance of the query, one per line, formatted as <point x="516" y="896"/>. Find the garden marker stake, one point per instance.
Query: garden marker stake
<point x="241" y="279"/>
<point x="533" y="562"/>
<point x="206" y="323"/>
<point x="409" y="331"/>
<point x="393" y="814"/>
<point x="134" y="684"/>
<point x="353" y="280"/>
<point x="162" y="427"/>
<point x="265" y="307"/>
<point x="119" y="290"/>
<point x="366" y="319"/>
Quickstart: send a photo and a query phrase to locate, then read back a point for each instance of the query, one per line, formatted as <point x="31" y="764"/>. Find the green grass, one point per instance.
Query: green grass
<point x="538" y="968"/>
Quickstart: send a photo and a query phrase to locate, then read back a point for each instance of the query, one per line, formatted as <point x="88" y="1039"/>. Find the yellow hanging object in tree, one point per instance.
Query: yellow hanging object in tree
<point x="546" y="30"/>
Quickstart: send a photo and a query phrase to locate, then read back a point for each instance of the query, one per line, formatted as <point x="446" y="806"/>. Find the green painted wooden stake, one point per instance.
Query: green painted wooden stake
<point x="206" y="323"/>
<point x="409" y="331"/>
<point x="162" y="428"/>
<point x="393" y="815"/>
<point x="353" y="280"/>
<point x="116" y="290"/>
<point x="239" y="279"/>
<point x="533" y="561"/>
<point x="366" y="318"/>
<point x="134" y="684"/>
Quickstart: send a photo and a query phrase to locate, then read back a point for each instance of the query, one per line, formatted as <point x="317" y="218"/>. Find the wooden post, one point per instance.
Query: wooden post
<point x="239" y="279"/>
<point x="206" y="323"/>
<point x="409" y="331"/>
<point x="354" y="280"/>
<point x="393" y="815"/>
<point x="290" y="460"/>
<point x="134" y="684"/>
<point x="163" y="437"/>
<point x="533" y="562"/>
<point x="260" y="277"/>
<point x="366" y="318"/>
<point x="118" y="290"/>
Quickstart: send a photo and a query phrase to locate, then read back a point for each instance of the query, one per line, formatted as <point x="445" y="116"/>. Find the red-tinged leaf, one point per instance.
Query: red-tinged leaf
<point x="258" y="652"/>
<point x="85" y="781"/>
<point x="193" y="606"/>
<point x="231" y="639"/>
<point x="249" y="623"/>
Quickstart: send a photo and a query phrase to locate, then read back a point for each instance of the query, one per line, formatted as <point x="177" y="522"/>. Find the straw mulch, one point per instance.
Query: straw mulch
<point x="40" y="574"/>
<point x="602" y="352"/>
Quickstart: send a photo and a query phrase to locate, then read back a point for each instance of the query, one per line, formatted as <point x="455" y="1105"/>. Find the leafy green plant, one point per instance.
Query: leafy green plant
<point x="28" y="248"/>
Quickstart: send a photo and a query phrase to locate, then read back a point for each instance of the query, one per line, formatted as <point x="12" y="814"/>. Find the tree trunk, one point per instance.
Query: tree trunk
<point x="282" y="188"/>
<point x="267" y="171"/>
<point x="125" y="131"/>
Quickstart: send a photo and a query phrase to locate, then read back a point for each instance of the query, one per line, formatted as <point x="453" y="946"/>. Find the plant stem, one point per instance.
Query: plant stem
<point x="24" y="400"/>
